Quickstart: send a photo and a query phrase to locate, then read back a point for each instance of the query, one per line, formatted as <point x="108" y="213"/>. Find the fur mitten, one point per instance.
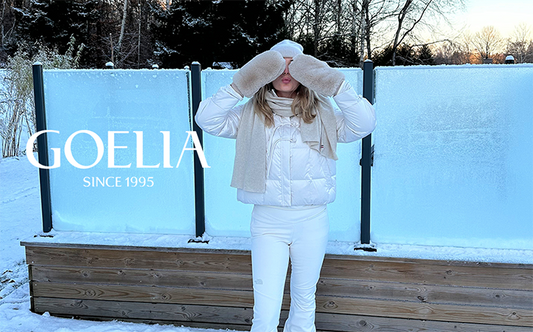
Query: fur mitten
<point x="261" y="70"/>
<point x="316" y="74"/>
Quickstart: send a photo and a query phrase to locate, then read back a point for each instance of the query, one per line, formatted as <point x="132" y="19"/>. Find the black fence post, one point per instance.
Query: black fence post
<point x="199" y="197"/>
<point x="367" y="155"/>
<point x="42" y="146"/>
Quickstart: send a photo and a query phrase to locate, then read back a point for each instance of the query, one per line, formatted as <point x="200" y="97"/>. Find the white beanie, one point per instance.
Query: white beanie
<point x="288" y="48"/>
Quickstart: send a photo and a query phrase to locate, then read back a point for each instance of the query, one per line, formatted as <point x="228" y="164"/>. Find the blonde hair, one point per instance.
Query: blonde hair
<point x="305" y="104"/>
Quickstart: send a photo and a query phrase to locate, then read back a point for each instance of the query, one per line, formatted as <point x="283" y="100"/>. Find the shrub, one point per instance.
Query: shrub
<point x="17" y="107"/>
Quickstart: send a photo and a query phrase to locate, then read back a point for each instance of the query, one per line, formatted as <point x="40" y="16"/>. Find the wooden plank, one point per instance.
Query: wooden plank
<point x="346" y="267"/>
<point x="222" y="318"/>
<point x="487" y="275"/>
<point x="425" y="293"/>
<point x="222" y="297"/>
<point x="327" y="304"/>
<point x="181" y="314"/>
<point x="199" y="249"/>
<point x="191" y="261"/>
<point x="417" y="272"/>
<point x="147" y="277"/>
<point x="326" y="286"/>
<point x="427" y="262"/>
<point x="351" y="258"/>
<point x="203" y="325"/>
<point x="149" y="311"/>
<point x="359" y="323"/>
<point x="426" y="311"/>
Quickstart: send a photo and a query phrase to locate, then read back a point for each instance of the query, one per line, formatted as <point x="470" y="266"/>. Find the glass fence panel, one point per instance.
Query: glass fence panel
<point x="345" y="212"/>
<point x="225" y="216"/>
<point x="136" y="185"/>
<point x="454" y="156"/>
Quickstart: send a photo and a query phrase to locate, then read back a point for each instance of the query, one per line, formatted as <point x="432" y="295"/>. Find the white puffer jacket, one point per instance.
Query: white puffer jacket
<point x="296" y="174"/>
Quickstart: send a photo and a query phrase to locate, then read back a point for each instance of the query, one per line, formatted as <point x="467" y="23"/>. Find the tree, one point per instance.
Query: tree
<point x="191" y="31"/>
<point x="411" y="14"/>
<point x="7" y="29"/>
<point x="53" y="23"/>
<point x="519" y="43"/>
<point x="450" y="53"/>
<point x="17" y="113"/>
<point x="365" y="17"/>
<point x="487" y="42"/>
<point x="95" y="23"/>
<point x="406" y="55"/>
<point x="122" y="26"/>
<point x="129" y="38"/>
<point x="315" y="23"/>
<point x="373" y="13"/>
<point x="529" y="57"/>
<point x="425" y="56"/>
<point x="255" y="27"/>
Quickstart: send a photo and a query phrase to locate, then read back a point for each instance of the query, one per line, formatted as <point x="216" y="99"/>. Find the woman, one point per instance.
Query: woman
<point x="285" y="165"/>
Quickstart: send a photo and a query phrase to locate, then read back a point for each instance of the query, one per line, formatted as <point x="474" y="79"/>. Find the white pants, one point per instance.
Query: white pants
<point x="277" y="234"/>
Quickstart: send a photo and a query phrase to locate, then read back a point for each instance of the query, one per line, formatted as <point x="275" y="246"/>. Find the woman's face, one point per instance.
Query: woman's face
<point x="285" y="85"/>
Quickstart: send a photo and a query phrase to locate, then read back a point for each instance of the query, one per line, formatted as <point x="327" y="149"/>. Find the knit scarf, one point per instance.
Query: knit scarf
<point x="249" y="169"/>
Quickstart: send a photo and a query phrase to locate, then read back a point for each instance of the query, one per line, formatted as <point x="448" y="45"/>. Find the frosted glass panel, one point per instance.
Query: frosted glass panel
<point x="134" y="199"/>
<point x="345" y="212"/>
<point x="454" y="156"/>
<point x="225" y="216"/>
<point x="355" y="77"/>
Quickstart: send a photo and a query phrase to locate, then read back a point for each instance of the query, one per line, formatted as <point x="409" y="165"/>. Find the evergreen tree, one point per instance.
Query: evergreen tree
<point x="222" y="31"/>
<point x="52" y="23"/>
<point x="181" y="33"/>
<point x="337" y="53"/>
<point x="405" y="56"/>
<point x="425" y="55"/>
<point x="95" y="24"/>
<point x="251" y="27"/>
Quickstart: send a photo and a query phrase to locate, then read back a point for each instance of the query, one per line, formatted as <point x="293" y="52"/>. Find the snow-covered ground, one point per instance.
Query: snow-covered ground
<point x="20" y="220"/>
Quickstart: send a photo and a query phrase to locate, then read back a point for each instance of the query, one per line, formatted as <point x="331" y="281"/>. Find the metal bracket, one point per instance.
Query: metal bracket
<point x="198" y="241"/>
<point x="366" y="247"/>
<point x="371" y="157"/>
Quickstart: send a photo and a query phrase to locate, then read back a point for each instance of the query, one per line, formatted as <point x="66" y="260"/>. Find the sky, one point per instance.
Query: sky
<point x="502" y="14"/>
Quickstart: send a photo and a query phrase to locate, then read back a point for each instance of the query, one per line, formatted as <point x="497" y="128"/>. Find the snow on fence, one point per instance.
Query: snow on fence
<point x="453" y="162"/>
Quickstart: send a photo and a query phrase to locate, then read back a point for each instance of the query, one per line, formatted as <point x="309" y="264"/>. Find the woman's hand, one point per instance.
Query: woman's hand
<point x="316" y="74"/>
<point x="261" y="70"/>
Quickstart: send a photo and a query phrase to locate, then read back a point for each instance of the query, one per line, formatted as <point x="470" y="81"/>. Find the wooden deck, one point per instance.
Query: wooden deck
<point x="213" y="289"/>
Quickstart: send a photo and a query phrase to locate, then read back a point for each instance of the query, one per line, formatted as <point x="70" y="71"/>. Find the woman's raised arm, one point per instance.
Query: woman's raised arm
<point x="218" y="115"/>
<point x="357" y="119"/>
